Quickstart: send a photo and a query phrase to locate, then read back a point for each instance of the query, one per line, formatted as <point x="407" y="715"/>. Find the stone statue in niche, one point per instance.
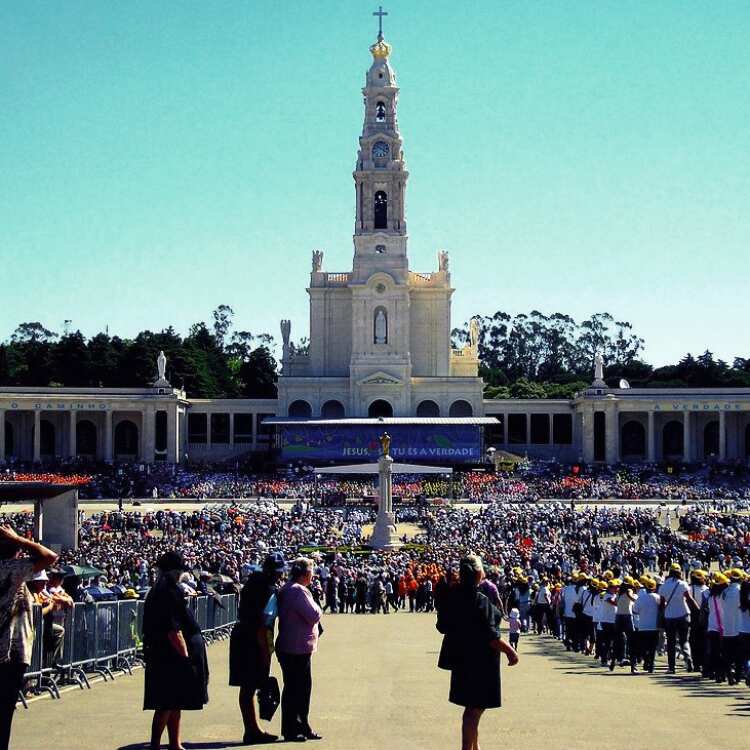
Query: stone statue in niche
<point x="317" y="261"/>
<point x="381" y="327"/>
<point x="443" y="260"/>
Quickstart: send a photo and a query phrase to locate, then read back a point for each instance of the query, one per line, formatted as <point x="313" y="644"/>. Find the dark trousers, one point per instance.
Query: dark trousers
<point x="295" y="697"/>
<point x="676" y="628"/>
<point x="697" y="642"/>
<point x="571" y="633"/>
<point x="542" y="614"/>
<point x="605" y="644"/>
<point x="714" y="665"/>
<point x="647" y="647"/>
<point x="624" y="635"/>
<point x="731" y="652"/>
<point x="11" y="681"/>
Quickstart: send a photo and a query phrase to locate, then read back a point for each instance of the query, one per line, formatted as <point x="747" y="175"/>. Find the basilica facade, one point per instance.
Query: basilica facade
<point x="380" y="343"/>
<point x="379" y="356"/>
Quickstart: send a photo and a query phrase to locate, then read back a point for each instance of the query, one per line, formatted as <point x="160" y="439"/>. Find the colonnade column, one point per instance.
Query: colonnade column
<point x="173" y="436"/>
<point x="37" y="436"/>
<point x="551" y="418"/>
<point x="722" y="436"/>
<point x="687" y="455"/>
<point x="505" y="428"/>
<point x="2" y="436"/>
<point x="612" y="435"/>
<point x="108" y="436"/>
<point x="651" y="438"/>
<point x="587" y="437"/>
<point x="148" y="419"/>
<point x="231" y="428"/>
<point x="255" y="431"/>
<point x="528" y="429"/>
<point x="72" y="444"/>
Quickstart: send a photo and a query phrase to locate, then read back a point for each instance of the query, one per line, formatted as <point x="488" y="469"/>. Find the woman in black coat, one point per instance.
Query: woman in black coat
<point x="176" y="666"/>
<point x="471" y="648"/>
<point x="250" y="646"/>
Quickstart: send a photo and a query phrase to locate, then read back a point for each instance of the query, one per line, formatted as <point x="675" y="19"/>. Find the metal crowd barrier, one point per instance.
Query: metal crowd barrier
<point x="106" y="637"/>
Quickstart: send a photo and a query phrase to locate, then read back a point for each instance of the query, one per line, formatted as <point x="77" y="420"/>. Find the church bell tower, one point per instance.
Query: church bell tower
<point x="380" y="175"/>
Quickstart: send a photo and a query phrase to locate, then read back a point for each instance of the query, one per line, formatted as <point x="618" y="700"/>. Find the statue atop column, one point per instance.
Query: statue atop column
<point x="443" y="260"/>
<point x="286" y="330"/>
<point x="385" y="444"/>
<point x="161" y="369"/>
<point x="317" y="261"/>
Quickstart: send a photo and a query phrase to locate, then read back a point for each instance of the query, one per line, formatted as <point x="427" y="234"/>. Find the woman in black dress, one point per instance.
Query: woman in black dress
<point x="176" y="666"/>
<point x="251" y="644"/>
<point x="471" y="648"/>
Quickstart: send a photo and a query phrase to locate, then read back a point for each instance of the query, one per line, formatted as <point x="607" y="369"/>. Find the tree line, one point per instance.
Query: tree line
<point x="552" y="356"/>
<point x="212" y="361"/>
<point x="523" y="356"/>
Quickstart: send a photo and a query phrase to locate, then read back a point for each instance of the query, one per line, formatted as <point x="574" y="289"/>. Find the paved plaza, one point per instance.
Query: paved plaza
<point x="376" y="687"/>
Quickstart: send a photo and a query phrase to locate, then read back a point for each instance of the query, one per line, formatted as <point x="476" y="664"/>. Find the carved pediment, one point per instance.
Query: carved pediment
<point x="379" y="378"/>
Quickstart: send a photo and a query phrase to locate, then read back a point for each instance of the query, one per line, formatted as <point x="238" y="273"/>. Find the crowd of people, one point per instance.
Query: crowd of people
<point x="528" y="482"/>
<point x="623" y="583"/>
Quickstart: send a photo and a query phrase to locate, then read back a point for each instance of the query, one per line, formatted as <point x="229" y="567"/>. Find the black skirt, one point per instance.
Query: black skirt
<point x="247" y="668"/>
<point x="177" y="684"/>
<point x="475" y="682"/>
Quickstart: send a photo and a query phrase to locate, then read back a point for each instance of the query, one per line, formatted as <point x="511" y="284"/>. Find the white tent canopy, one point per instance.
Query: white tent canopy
<point x="375" y="469"/>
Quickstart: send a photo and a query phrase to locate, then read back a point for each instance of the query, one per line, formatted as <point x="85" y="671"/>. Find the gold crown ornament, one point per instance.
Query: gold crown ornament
<point x="381" y="49"/>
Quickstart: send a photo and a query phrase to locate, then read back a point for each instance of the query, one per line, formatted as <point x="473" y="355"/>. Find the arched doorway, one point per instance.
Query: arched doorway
<point x="333" y="410"/>
<point x="711" y="439"/>
<point x="46" y="438"/>
<point x="633" y="440"/>
<point x="672" y="443"/>
<point x="428" y="409"/>
<point x="300" y="408"/>
<point x="126" y="439"/>
<point x="86" y="438"/>
<point x="461" y="408"/>
<point x="380" y="408"/>
<point x="9" y="439"/>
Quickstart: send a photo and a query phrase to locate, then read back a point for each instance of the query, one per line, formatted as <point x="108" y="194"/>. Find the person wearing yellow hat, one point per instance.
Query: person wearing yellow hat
<point x="646" y="608"/>
<point x="624" y="634"/>
<point x="731" y="645"/>
<point x="698" y="618"/>
<point x="715" y="666"/>
<point x="676" y="606"/>
<point x="607" y="614"/>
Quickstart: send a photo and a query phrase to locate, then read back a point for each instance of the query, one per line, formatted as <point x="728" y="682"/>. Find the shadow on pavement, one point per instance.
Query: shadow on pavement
<point x="691" y="683"/>
<point x="217" y="745"/>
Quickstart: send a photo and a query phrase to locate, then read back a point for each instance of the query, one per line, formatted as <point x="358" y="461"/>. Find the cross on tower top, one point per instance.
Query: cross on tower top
<point x="380" y="13"/>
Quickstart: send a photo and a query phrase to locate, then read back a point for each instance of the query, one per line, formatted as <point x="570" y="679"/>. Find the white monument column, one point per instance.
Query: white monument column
<point x="384" y="535"/>
<point x="651" y="438"/>
<point x="108" y="436"/>
<point x="72" y="445"/>
<point x="722" y="435"/>
<point x="37" y="435"/>
<point x="2" y="436"/>
<point x="687" y="455"/>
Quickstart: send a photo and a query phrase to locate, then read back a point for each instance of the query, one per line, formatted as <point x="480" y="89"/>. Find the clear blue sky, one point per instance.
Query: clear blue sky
<point x="158" y="159"/>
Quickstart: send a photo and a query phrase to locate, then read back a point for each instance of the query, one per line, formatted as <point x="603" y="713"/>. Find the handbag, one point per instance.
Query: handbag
<point x="269" y="698"/>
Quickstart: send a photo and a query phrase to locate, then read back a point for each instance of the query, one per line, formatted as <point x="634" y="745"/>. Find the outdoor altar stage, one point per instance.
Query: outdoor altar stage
<point x="427" y="440"/>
